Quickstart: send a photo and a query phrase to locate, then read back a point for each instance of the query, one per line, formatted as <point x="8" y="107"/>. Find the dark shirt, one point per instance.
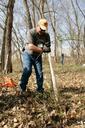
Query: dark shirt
<point x="39" y="40"/>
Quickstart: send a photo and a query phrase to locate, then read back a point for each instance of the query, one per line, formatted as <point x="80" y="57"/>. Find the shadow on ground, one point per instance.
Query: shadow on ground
<point x="8" y="101"/>
<point x="75" y="90"/>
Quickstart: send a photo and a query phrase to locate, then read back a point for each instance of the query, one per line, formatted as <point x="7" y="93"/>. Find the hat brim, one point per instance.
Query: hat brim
<point x="43" y="27"/>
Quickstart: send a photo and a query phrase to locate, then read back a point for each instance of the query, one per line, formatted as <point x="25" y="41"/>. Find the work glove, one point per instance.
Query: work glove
<point x="46" y="49"/>
<point x="40" y="46"/>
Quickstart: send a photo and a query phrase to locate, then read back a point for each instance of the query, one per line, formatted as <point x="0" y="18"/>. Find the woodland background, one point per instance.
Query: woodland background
<point x="66" y="20"/>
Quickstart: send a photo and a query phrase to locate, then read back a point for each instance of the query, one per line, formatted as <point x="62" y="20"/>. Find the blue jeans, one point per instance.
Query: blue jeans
<point x="30" y="60"/>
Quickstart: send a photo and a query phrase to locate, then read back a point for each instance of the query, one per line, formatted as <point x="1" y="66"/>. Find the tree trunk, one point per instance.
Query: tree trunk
<point x="28" y="14"/>
<point x="33" y="15"/>
<point x="78" y="34"/>
<point x="53" y="24"/>
<point x="42" y="8"/>
<point x="3" y="48"/>
<point x="6" y="54"/>
<point x="84" y="43"/>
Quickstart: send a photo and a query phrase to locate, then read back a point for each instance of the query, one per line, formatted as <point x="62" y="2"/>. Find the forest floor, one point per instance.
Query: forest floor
<point x="36" y="110"/>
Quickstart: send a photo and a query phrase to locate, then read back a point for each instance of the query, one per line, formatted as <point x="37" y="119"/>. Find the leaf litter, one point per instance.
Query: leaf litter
<point x="37" y="110"/>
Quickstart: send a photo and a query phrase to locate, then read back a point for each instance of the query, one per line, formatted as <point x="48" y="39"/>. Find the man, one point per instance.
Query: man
<point x="38" y="42"/>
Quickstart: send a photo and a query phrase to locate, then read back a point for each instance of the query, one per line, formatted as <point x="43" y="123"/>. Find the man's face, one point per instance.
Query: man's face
<point x="40" y="31"/>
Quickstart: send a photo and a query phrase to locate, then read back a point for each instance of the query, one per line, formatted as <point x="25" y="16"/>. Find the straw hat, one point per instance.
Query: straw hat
<point x="43" y="24"/>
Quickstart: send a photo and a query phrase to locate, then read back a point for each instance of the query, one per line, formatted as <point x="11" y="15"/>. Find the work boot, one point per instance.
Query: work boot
<point x="20" y="92"/>
<point x="40" y="90"/>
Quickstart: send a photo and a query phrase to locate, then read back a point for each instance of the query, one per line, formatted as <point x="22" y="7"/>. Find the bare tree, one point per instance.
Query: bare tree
<point x="84" y="24"/>
<point x="73" y="27"/>
<point x="42" y="7"/>
<point x="6" y="53"/>
<point x="78" y="33"/>
<point x="84" y="37"/>
<point x="80" y="9"/>
<point x="53" y="24"/>
<point x="33" y="10"/>
<point x="28" y="14"/>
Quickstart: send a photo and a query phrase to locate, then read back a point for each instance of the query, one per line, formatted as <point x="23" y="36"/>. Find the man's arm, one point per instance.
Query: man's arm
<point x="34" y="48"/>
<point x="30" y="46"/>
